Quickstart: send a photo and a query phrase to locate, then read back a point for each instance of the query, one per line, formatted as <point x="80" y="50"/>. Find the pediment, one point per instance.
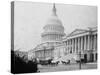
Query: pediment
<point x="77" y="31"/>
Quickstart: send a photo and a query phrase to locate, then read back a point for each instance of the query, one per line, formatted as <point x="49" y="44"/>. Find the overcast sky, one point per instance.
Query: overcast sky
<point x="30" y="18"/>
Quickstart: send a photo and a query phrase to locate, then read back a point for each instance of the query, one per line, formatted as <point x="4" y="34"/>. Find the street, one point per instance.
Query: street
<point x="62" y="67"/>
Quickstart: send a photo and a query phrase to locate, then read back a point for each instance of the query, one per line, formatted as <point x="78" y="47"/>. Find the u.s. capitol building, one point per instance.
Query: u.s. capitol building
<point x="56" y="44"/>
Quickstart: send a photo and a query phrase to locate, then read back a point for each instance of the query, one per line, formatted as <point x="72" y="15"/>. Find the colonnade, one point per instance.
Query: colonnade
<point x="85" y="44"/>
<point x="82" y="43"/>
<point x="52" y="37"/>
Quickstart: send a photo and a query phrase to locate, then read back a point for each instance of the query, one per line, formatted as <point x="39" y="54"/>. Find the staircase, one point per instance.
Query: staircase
<point x="71" y="57"/>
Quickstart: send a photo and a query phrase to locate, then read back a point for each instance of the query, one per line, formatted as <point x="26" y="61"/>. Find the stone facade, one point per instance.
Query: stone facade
<point x="81" y="41"/>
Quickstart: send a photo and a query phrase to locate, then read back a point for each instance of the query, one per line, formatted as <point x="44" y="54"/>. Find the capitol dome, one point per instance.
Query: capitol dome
<point x="53" y="30"/>
<point x="54" y="20"/>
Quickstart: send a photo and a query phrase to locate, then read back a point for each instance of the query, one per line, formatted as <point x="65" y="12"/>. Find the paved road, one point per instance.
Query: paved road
<point x="62" y="67"/>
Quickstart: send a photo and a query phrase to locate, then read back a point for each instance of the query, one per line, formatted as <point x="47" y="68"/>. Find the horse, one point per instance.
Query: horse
<point x="54" y="63"/>
<point x="66" y="62"/>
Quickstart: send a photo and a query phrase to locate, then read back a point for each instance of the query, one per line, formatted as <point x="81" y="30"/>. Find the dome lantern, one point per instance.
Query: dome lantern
<point x="54" y="10"/>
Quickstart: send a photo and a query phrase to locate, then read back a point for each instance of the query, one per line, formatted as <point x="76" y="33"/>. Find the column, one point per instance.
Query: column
<point x="91" y="42"/>
<point x="88" y="42"/>
<point x="75" y="45"/>
<point x="81" y="43"/>
<point x="96" y="41"/>
<point x="88" y="56"/>
<point x="85" y="45"/>
<point x="72" y="45"/>
<point x="78" y="44"/>
<point x="68" y="46"/>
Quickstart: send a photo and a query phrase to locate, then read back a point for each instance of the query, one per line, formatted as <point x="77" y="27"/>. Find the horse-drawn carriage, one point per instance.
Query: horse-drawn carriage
<point x="48" y="62"/>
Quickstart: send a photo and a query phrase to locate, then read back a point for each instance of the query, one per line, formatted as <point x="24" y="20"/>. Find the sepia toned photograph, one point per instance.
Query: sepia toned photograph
<point x="52" y="37"/>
